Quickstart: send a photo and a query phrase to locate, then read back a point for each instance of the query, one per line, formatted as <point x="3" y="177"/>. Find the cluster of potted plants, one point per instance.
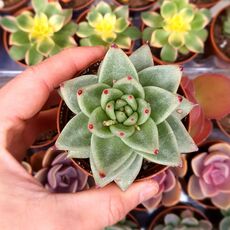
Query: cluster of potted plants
<point x="126" y="119"/>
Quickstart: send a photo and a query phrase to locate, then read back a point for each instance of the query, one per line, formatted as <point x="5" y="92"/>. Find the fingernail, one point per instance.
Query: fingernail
<point x="149" y="190"/>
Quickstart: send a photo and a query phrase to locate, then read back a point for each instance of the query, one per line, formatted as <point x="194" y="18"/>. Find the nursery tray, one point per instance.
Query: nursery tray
<point x="202" y="64"/>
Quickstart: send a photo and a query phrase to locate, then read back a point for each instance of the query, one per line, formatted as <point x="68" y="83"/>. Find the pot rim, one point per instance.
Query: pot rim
<point x="217" y="50"/>
<point x="206" y="5"/>
<point x="14" y="7"/>
<point x="222" y="128"/>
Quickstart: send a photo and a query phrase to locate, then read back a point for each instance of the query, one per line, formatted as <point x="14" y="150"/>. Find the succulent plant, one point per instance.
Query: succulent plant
<point x="225" y="223"/>
<point x="124" y="224"/>
<point x="130" y="111"/>
<point x="226" y="23"/>
<point x="169" y="187"/>
<point x="106" y="26"/>
<point x="179" y="28"/>
<point x="185" y="221"/>
<point x="34" y="37"/>
<point x="211" y="177"/>
<point x="59" y="175"/>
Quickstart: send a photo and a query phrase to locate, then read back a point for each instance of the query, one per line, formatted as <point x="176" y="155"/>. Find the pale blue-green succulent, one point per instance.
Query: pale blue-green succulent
<point x="128" y="112"/>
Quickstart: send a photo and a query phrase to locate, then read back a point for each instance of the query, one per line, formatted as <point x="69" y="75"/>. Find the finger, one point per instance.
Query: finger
<point x="106" y="205"/>
<point x="24" y="96"/>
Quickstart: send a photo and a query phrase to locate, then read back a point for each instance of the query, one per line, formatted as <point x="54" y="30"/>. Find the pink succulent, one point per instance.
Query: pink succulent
<point x="169" y="187"/>
<point x="211" y="177"/>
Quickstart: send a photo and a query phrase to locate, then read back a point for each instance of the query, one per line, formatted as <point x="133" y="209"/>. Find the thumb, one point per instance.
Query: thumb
<point x="106" y="206"/>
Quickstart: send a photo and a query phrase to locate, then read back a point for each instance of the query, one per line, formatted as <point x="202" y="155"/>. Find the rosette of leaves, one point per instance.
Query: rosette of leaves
<point x="185" y="221"/>
<point x="106" y="25"/>
<point x="169" y="192"/>
<point x="39" y="35"/>
<point x="130" y="111"/>
<point x="59" y="175"/>
<point x="211" y="177"/>
<point x="179" y="28"/>
<point x="124" y="224"/>
<point x="225" y="222"/>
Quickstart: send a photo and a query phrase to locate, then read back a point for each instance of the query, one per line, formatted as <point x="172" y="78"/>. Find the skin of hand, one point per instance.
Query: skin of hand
<point x="24" y="203"/>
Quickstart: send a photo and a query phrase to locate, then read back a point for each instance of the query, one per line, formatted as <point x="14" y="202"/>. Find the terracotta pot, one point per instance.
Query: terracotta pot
<point x="14" y="7"/>
<point x="159" y="218"/>
<point x="83" y="6"/>
<point x="206" y="5"/>
<point x="216" y="49"/>
<point x="82" y="17"/>
<point x="142" y="8"/>
<point x="220" y="125"/>
<point x="64" y="115"/>
<point x="161" y="62"/>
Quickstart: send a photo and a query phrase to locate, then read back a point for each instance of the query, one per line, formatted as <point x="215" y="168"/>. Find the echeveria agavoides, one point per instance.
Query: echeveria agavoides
<point x="128" y="112"/>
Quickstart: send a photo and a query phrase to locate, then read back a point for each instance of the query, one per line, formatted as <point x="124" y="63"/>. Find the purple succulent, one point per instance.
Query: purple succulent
<point x="60" y="175"/>
<point x="211" y="177"/>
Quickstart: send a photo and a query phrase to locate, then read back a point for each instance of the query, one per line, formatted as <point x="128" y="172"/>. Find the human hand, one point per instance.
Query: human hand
<point x="24" y="203"/>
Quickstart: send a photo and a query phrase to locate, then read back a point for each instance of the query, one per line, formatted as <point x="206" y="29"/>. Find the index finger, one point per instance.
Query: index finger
<point x="24" y="96"/>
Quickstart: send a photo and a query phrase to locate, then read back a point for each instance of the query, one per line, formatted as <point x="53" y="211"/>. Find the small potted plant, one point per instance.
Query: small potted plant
<point x="136" y="5"/>
<point x="105" y="25"/>
<point x="180" y="217"/>
<point x="220" y="34"/>
<point x="39" y="32"/>
<point x="9" y="6"/>
<point x="176" y="33"/>
<point x="210" y="181"/>
<point x="59" y="175"/>
<point x="224" y="125"/>
<point x="204" y="3"/>
<point x="125" y="115"/>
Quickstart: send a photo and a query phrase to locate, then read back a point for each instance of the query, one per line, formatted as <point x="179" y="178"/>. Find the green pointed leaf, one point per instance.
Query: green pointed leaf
<point x="121" y="116"/>
<point x="89" y="97"/>
<point x="56" y="49"/>
<point x="57" y="22"/>
<point x="176" y="40"/>
<point x="111" y="95"/>
<point x="103" y="8"/>
<point x="32" y="56"/>
<point x="190" y="222"/>
<point x="75" y="136"/>
<point x="152" y="19"/>
<point x="144" y="54"/>
<point x="116" y="65"/>
<point x="9" y="24"/>
<point x="127" y="177"/>
<point x="123" y="42"/>
<point x="145" y="139"/>
<point x="162" y="102"/>
<point x="68" y="14"/>
<point x="194" y="43"/>
<point x="103" y="181"/>
<point x="183" y="109"/>
<point x="202" y="34"/>
<point x="109" y="109"/>
<point x="53" y="8"/>
<point x="45" y="46"/>
<point x="168" y="152"/>
<point x="132" y="32"/>
<point x="63" y="41"/>
<point x="172" y="219"/>
<point x="19" y="38"/>
<point x="184" y="140"/>
<point x="132" y="120"/>
<point x="122" y="131"/>
<point x="25" y="22"/>
<point x="96" y="123"/>
<point x="120" y="103"/>
<point x="68" y="30"/>
<point x="181" y="3"/>
<point x="159" y="38"/>
<point x="143" y="110"/>
<point x="39" y="5"/>
<point x="122" y="11"/>
<point x="199" y="22"/>
<point x="187" y="14"/>
<point x="109" y="154"/>
<point x="128" y="85"/>
<point x="85" y="42"/>
<point x="184" y="50"/>
<point x="168" y="9"/>
<point x="84" y="30"/>
<point x="121" y="25"/>
<point x="95" y="40"/>
<point x="79" y="154"/>
<point x="167" y="77"/>
<point x="69" y="90"/>
<point x="94" y="17"/>
<point x="147" y="34"/>
<point x="168" y="53"/>
<point x="18" y="53"/>
<point x="130" y="101"/>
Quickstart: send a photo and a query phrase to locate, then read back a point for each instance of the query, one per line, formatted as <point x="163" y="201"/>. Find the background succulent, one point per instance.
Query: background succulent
<point x="34" y="37"/>
<point x="225" y="222"/>
<point x="124" y="224"/>
<point x="226" y="25"/>
<point x="179" y="28"/>
<point x="186" y="220"/>
<point x="59" y="174"/>
<point x="105" y="25"/>
<point x="169" y="192"/>
<point x="211" y="177"/>
<point x="128" y="112"/>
